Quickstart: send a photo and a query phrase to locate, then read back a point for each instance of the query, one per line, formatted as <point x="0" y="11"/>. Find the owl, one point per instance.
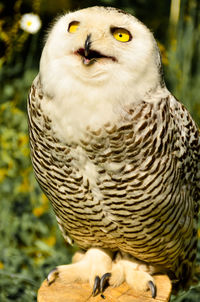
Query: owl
<point x="115" y="152"/>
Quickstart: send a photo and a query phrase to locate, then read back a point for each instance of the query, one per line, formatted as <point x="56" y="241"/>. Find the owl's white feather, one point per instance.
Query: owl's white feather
<point x="96" y="94"/>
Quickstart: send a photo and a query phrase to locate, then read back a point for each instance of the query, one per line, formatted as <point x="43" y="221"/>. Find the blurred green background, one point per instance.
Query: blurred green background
<point x="30" y="242"/>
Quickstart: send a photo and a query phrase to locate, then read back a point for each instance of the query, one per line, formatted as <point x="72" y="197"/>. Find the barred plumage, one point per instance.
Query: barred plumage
<point x="130" y="184"/>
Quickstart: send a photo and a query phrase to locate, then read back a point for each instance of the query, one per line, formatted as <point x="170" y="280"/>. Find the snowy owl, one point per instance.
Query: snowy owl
<point x="114" y="151"/>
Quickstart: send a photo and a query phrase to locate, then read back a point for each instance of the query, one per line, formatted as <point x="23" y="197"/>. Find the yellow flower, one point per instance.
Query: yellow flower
<point x="23" y="144"/>
<point x="39" y="211"/>
<point x="24" y="186"/>
<point x="22" y="139"/>
<point x="50" y="240"/>
<point x="1" y="265"/>
<point x="3" y="173"/>
<point x="44" y="199"/>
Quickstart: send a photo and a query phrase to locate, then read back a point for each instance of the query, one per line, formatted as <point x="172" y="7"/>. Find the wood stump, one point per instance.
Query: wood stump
<point x="60" y="291"/>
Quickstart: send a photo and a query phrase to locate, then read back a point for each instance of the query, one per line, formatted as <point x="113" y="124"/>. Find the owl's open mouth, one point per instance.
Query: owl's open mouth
<point x="91" y="56"/>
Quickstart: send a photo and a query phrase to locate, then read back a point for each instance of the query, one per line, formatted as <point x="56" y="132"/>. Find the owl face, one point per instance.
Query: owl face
<point x="101" y="46"/>
<point x="95" y="64"/>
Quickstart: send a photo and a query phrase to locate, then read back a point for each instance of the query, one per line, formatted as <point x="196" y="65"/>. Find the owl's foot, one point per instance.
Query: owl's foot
<point x="93" y="266"/>
<point x="136" y="274"/>
<point x="54" y="273"/>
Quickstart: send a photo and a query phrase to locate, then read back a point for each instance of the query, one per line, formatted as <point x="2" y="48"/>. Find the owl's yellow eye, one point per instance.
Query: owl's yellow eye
<point x="121" y="34"/>
<point x="73" y="26"/>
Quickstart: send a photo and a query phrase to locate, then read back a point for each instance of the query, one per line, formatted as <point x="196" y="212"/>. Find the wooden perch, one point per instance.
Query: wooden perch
<point x="60" y="291"/>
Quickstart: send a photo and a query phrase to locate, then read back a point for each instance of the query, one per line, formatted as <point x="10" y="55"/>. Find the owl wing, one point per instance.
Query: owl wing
<point x="187" y="146"/>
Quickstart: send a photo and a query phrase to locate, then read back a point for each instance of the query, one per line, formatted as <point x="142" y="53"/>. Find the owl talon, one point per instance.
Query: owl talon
<point x="96" y="287"/>
<point x="152" y="288"/>
<point x="104" y="281"/>
<point x="52" y="276"/>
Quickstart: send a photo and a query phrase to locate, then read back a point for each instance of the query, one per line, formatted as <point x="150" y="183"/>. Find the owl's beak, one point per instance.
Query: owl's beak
<point x="90" y="56"/>
<point x="87" y="59"/>
<point x="87" y="45"/>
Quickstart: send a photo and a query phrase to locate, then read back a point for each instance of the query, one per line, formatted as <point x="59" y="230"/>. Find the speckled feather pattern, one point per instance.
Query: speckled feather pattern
<point x="142" y="197"/>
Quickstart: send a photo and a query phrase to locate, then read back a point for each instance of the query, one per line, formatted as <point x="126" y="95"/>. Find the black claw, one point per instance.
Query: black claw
<point x="153" y="290"/>
<point x="96" y="287"/>
<point x="55" y="272"/>
<point x="104" y="281"/>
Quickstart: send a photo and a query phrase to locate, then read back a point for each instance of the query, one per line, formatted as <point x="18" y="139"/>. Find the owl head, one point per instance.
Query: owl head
<point x="100" y="49"/>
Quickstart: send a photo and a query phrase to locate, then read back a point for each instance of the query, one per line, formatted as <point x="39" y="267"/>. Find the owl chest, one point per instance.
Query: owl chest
<point x="111" y="172"/>
<point x="100" y="189"/>
<point x="107" y="166"/>
<point x="114" y="179"/>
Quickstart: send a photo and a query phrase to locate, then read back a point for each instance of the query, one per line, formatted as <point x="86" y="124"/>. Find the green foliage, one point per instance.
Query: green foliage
<point x="183" y="71"/>
<point x="30" y="242"/>
<point x="28" y="231"/>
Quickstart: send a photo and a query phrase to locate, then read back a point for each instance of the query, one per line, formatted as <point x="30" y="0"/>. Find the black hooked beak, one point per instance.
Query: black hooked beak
<point x="87" y="45"/>
<point x="90" y="56"/>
